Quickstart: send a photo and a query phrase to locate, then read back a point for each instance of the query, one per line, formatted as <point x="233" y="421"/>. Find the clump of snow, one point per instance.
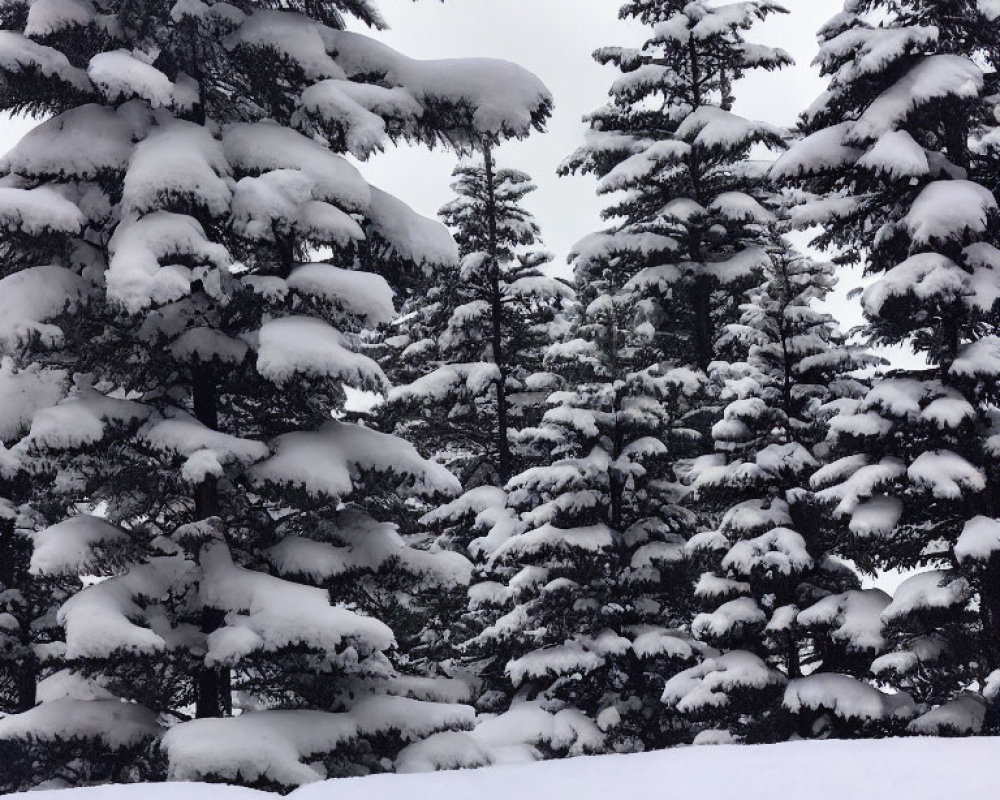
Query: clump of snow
<point x="330" y="460"/>
<point x="71" y="547"/>
<point x="845" y="697"/>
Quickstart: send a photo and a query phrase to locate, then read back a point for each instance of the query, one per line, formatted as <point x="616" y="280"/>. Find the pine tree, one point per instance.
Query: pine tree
<point x="473" y="339"/>
<point x="466" y="372"/>
<point x="594" y="584"/>
<point x="771" y="586"/>
<point x="896" y="163"/>
<point x="235" y="256"/>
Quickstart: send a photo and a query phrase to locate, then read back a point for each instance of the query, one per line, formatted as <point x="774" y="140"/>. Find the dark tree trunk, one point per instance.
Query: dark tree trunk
<point x="213" y="696"/>
<point x="506" y="465"/>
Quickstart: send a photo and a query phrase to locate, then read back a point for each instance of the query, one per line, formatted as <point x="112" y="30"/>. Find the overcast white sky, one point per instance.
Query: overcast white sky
<point x="555" y="39"/>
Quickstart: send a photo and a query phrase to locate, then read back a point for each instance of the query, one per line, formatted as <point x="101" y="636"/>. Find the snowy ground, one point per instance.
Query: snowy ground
<point x="915" y="769"/>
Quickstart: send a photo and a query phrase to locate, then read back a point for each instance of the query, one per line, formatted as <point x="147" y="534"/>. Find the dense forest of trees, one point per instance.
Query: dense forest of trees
<point x="642" y="507"/>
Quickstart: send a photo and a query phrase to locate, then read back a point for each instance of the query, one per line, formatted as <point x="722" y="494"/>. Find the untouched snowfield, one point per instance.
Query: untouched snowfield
<point x="915" y="769"/>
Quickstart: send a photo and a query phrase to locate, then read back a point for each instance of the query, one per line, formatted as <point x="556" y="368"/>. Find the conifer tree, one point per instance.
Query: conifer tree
<point x="896" y="164"/>
<point x="235" y="256"/>
<point x="594" y="583"/>
<point x="768" y="564"/>
<point x="473" y="339"/>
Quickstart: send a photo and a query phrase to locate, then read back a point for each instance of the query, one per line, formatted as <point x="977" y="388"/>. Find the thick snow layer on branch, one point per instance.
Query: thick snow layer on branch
<point x="979" y="541"/>
<point x="854" y="618"/>
<point x="591" y="538"/>
<point x="104" y="619"/>
<point x="710" y="684"/>
<point x="300" y="345"/>
<point x="823" y="151"/>
<point x="845" y="697"/>
<point x="330" y="460"/>
<point x="177" y="160"/>
<point x="24" y="393"/>
<point x="275" y="745"/>
<point x="31" y="297"/>
<point x="114" y="724"/>
<point x="365" y="544"/>
<point x="963" y="716"/>
<point x="38" y="212"/>
<point x="179" y="432"/>
<point x="948" y="210"/>
<point x="19" y="54"/>
<point x="80" y="143"/>
<point x="932" y="78"/>
<point x="82" y="419"/>
<point x="136" y="275"/>
<point x="68" y="547"/>
<point x="502" y="97"/>
<point x="362" y="294"/>
<point x="261" y="147"/>
<point x="409" y="235"/>
<point x="930" y="590"/>
<point x="119" y="76"/>
<point x="946" y="474"/>
<point x="267" y="613"/>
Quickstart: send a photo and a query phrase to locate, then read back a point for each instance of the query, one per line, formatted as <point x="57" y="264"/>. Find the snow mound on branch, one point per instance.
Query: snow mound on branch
<point x="38" y="212"/>
<point x="854" y="617"/>
<point x="980" y="539"/>
<point x="329" y="462"/>
<point x="362" y="294"/>
<point x="845" y="697"/>
<point x="83" y="142"/>
<point x="68" y="547"/>
<point x="364" y="544"/>
<point x="113" y="723"/>
<point x="267" y="614"/>
<point x="948" y="210"/>
<point x="933" y="589"/>
<point x="135" y="276"/>
<point x="24" y="393"/>
<point x="82" y="419"/>
<point x="408" y="234"/>
<point x="284" y="747"/>
<point x="710" y="684"/>
<point x="261" y="744"/>
<point x="963" y="716"/>
<point x="300" y="345"/>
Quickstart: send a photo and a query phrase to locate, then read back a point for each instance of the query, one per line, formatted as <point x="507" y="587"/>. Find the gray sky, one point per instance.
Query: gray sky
<point x="555" y="39"/>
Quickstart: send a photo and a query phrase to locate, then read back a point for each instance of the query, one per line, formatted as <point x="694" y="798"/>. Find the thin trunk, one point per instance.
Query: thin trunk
<point x="26" y="688"/>
<point x="506" y="466"/>
<point x="213" y="695"/>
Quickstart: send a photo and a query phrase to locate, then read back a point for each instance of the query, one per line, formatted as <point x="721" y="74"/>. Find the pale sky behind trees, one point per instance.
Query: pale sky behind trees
<point x="555" y="40"/>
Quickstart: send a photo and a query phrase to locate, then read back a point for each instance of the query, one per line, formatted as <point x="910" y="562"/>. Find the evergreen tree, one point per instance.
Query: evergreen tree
<point x="770" y="585"/>
<point x="187" y="188"/>
<point x="594" y="583"/>
<point x="466" y="371"/>
<point x="897" y="163"/>
<point x="473" y="339"/>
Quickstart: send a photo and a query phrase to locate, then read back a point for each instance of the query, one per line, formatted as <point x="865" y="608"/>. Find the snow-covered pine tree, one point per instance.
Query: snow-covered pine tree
<point x="676" y="156"/>
<point x="897" y="165"/>
<point x="472" y="340"/>
<point x="188" y="187"/>
<point x="769" y="562"/>
<point x="595" y="591"/>
<point x="467" y="368"/>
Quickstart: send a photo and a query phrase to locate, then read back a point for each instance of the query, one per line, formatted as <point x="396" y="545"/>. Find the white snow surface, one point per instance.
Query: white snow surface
<point x="914" y="768"/>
